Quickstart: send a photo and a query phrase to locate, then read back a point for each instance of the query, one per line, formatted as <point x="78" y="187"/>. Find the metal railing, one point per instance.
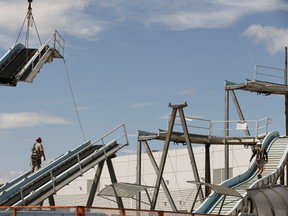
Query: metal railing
<point x="57" y="42"/>
<point x="83" y="210"/>
<point x="270" y="74"/>
<point x="256" y="128"/>
<point x="119" y="133"/>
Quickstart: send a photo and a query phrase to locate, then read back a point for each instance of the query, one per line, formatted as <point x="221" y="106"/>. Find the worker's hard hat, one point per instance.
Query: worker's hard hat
<point x="38" y="139"/>
<point x="259" y="143"/>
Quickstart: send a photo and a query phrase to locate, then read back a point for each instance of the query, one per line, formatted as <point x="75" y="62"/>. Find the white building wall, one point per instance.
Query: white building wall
<point x="178" y="171"/>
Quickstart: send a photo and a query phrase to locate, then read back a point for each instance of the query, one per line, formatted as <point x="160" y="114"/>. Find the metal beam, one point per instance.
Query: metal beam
<point x="138" y="173"/>
<point x="163" y="183"/>
<point x="195" y="199"/>
<point x="286" y="110"/>
<point x="240" y="114"/>
<point x="178" y="137"/>
<point x="190" y="150"/>
<point x="114" y="180"/>
<point x="226" y="132"/>
<point x="95" y="184"/>
<point x="239" y="111"/>
<point x="219" y="212"/>
<point x="51" y="200"/>
<point x="163" y="158"/>
<point x="207" y="170"/>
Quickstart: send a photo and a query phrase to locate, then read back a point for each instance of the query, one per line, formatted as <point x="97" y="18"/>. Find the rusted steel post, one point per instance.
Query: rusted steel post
<point x="123" y="212"/>
<point x="80" y="211"/>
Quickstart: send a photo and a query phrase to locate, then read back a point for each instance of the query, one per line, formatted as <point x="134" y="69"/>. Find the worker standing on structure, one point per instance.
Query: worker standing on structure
<point x="37" y="154"/>
<point x="261" y="158"/>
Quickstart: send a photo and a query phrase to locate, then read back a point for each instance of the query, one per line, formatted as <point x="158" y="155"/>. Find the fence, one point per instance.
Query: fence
<point x="83" y="211"/>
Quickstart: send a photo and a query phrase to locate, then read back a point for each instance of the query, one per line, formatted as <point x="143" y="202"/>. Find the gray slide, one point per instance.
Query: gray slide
<point x="32" y="189"/>
<point x="276" y="148"/>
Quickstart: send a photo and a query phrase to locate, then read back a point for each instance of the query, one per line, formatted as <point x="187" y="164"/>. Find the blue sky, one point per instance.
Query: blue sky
<point x="127" y="60"/>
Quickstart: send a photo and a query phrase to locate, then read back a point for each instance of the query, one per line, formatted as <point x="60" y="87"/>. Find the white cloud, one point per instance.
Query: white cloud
<point x="188" y="20"/>
<point x="65" y="16"/>
<point x="187" y="92"/>
<point x="86" y="18"/>
<point x="165" y="116"/>
<point x="273" y="38"/>
<point x="68" y="16"/>
<point x="144" y="104"/>
<point x="180" y="15"/>
<point x="28" y="119"/>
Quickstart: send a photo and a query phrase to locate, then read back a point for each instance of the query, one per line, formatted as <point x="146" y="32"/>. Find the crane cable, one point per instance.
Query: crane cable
<point x="73" y="98"/>
<point x="30" y="21"/>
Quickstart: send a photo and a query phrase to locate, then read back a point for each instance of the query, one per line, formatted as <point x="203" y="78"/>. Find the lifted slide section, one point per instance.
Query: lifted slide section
<point x="22" y="64"/>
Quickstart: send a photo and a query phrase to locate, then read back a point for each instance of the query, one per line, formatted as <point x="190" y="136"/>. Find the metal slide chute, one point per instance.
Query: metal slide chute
<point x="22" y="64"/>
<point x="35" y="188"/>
<point x="10" y="190"/>
<point x="12" y="62"/>
<point x="10" y="54"/>
<point x="278" y="156"/>
<point x="271" y="143"/>
<point x="65" y="176"/>
<point x="53" y="48"/>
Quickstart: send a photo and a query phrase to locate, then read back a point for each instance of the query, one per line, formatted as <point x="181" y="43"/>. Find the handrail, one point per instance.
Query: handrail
<point x="236" y="127"/>
<point x="266" y="74"/>
<point x="82" y="210"/>
<point x="119" y="129"/>
<point x="59" y="43"/>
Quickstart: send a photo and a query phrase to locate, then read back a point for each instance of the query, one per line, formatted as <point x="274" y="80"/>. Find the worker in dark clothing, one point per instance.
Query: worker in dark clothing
<point x="261" y="158"/>
<point x="37" y="154"/>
